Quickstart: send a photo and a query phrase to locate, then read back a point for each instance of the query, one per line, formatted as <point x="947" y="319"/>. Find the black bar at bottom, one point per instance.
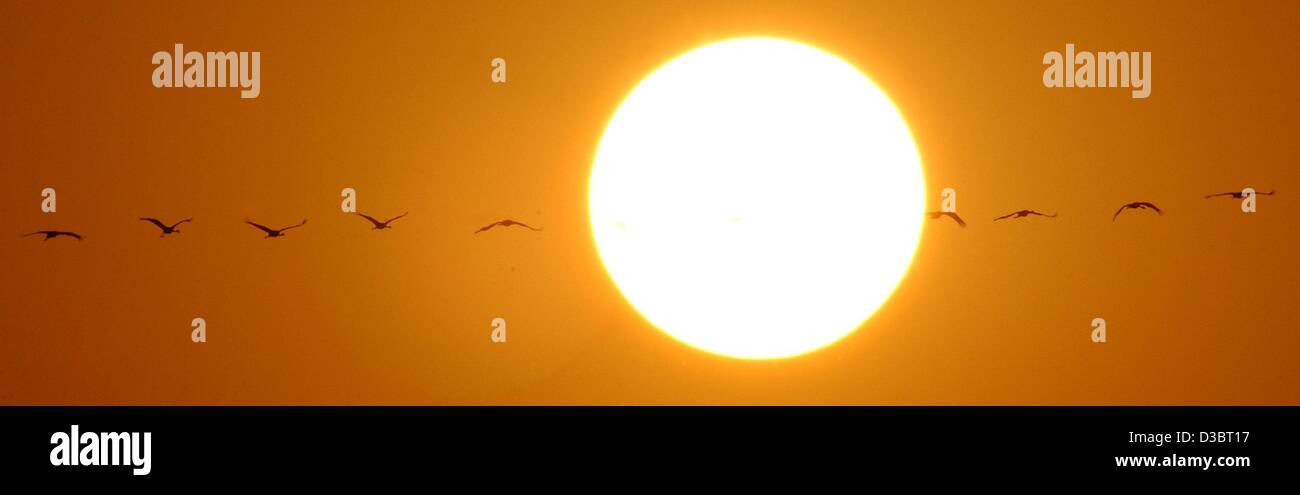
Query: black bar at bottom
<point x="450" y="443"/>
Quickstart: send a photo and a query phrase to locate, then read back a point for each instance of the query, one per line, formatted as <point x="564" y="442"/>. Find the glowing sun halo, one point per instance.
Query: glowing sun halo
<point x="757" y="198"/>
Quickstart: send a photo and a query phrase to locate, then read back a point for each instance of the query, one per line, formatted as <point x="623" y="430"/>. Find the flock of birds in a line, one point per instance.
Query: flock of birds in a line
<point x="271" y="233"/>
<point x="385" y="224"/>
<point x="1137" y="205"/>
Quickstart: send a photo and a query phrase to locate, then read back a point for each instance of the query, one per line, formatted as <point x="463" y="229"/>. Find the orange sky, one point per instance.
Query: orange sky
<point x="394" y="99"/>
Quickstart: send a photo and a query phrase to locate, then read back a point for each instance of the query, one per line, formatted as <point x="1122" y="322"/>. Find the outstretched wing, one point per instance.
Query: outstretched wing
<point x="264" y="228"/>
<point x="396" y="217"/>
<point x="1032" y="212"/>
<point x="488" y="226"/>
<point x="1220" y="194"/>
<point x="300" y="224"/>
<point x="154" y="221"/>
<point x="72" y="234"/>
<point x="522" y="224"/>
<point x="1117" y="212"/>
<point x="372" y="219"/>
<point x="1008" y="215"/>
<point x="954" y="216"/>
<point x="43" y="232"/>
<point x="181" y="222"/>
<point x="1153" y="207"/>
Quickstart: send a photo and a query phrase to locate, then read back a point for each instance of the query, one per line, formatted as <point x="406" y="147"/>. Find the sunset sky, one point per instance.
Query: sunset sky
<point x="394" y="99"/>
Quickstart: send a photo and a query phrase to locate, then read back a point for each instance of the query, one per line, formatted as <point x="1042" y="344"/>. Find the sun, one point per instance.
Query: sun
<point x="757" y="198"/>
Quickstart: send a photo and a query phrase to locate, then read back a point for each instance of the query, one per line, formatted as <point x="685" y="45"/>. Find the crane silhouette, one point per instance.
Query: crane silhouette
<point x="50" y="234"/>
<point x="506" y="223"/>
<point x="949" y="214"/>
<point x="270" y="232"/>
<point x="1139" y="205"/>
<point x="166" y="229"/>
<point x="378" y="224"/>
<point x="1239" y="194"/>
<point x="1022" y="214"/>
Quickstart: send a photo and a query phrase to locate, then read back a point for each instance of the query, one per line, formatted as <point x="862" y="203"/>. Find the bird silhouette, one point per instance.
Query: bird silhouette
<point x="506" y="223"/>
<point x="166" y="229"/>
<point x="1136" y="206"/>
<point x="50" y="234"/>
<point x="950" y="214"/>
<point x="1238" y="194"/>
<point x="1023" y="213"/>
<point x="270" y="232"/>
<point x="378" y="224"/>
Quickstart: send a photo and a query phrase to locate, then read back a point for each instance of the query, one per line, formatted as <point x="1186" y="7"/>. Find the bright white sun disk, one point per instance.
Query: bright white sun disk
<point x="757" y="198"/>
